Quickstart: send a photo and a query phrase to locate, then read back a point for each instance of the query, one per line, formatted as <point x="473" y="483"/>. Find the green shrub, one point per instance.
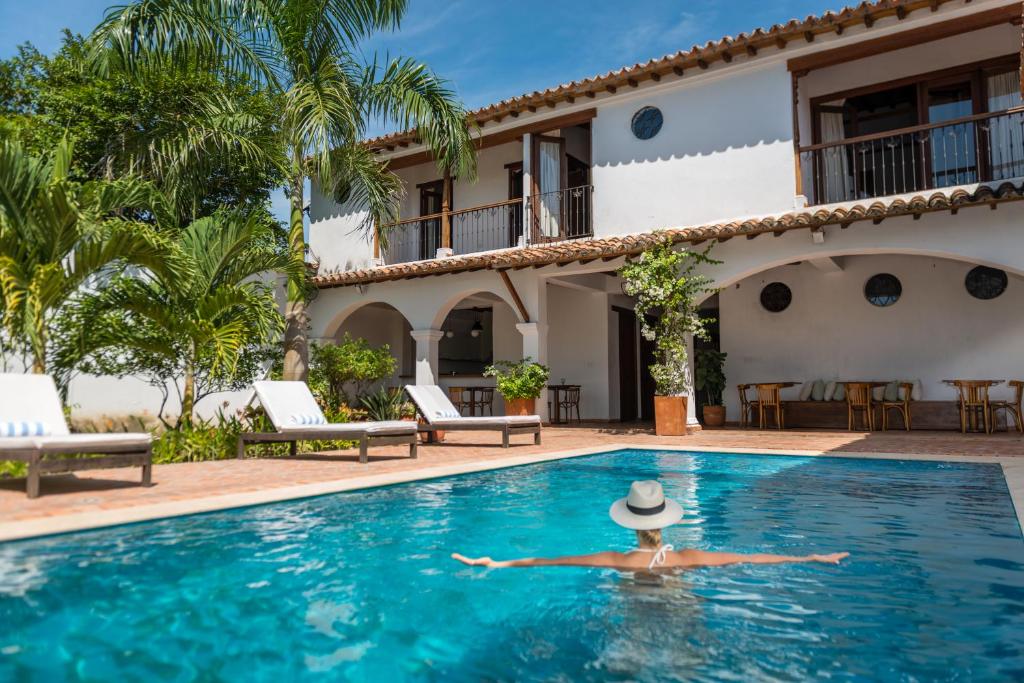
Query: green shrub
<point x="385" y="404"/>
<point x="519" y="379"/>
<point x="353" y="362"/>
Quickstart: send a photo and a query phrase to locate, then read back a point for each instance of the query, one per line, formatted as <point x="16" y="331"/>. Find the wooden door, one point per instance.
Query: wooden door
<point x="628" y="380"/>
<point x="431" y="203"/>
<point x="548" y="178"/>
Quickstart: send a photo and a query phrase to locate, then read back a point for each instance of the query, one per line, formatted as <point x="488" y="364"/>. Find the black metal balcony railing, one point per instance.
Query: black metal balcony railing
<point x="978" y="148"/>
<point x="565" y="214"/>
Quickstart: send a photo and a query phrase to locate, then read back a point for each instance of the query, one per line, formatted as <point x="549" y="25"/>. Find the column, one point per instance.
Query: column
<point x="535" y="346"/>
<point x="527" y="187"/>
<point x="692" y="424"/>
<point x="427" y="345"/>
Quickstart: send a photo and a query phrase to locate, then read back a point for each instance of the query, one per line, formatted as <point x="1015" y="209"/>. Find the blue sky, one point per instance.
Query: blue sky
<point x="491" y="50"/>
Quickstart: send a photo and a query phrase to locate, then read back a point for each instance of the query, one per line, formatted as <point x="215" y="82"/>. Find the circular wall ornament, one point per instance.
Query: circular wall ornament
<point x="883" y="289"/>
<point x="776" y="297"/>
<point x="647" y="122"/>
<point x="985" y="283"/>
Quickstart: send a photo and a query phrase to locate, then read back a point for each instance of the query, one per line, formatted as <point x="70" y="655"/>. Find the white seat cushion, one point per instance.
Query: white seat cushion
<point x="354" y="428"/>
<point x="432" y="402"/>
<point x="116" y="441"/>
<point x="805" y="390"/>
<point x="497" y="421"/>
<point x="283" y="400"/>
<point x="32" y="398"/>
<point x="12" y="444"/>
<point x="840" y="393"/>
<point x="830" y="390"/>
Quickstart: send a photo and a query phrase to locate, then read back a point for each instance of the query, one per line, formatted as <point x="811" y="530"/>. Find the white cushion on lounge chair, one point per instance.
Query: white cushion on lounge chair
<point x="32" y="398"/>
<point x="106" y="443"/>
<point x="17" y="443"/>
<point x="307" y="419"/>
<point x="355" y="428"/>
<point x="497" y="421"/>
<point x="432" y="402"/>
<point x="282" y="400"/>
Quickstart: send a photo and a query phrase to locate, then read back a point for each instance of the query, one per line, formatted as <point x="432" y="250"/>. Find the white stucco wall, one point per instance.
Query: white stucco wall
<point x="725" y="150"/>
<point x="578" y="346"/>
<point x="935" y="331"/>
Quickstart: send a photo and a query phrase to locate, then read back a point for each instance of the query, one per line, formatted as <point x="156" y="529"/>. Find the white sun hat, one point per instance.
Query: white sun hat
<point x="645" y="508"/>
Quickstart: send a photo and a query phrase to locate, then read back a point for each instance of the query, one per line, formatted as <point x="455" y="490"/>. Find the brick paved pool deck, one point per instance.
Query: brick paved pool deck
<point x="105" y="497"/>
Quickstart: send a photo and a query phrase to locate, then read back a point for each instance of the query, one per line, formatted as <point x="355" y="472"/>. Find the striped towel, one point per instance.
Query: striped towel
<point x="307" y="419"/>
<point x="23" y="428"/>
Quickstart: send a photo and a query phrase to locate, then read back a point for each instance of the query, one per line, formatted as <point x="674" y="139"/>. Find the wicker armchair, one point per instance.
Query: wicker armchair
<point x="858" y="400"/>
<point x="769" y="400"/>
<point x="901" y="406"/>
<point x="1011" y="408"/>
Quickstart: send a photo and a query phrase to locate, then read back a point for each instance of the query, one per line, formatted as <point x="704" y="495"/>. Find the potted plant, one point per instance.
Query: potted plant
<point x="709" y="378"/>
<point x="520" y="383"/>
<point x="666" y="287"/>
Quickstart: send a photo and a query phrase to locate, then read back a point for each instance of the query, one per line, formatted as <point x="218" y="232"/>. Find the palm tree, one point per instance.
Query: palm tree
<point x="196" y="316"/>
<point x="307" y="52"/>
<point x="55" y="235"/>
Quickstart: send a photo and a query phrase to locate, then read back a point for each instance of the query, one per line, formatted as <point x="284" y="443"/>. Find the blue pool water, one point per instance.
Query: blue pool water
<point x="360" y="586"/>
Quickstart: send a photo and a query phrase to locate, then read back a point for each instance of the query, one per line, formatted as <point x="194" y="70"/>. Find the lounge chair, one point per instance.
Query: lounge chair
<point x="440" y="414"/>
<point x="33" y="428"/>
<point x="296" y="416"/>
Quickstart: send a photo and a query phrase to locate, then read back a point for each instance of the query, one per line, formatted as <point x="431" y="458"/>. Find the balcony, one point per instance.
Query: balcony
<point x="970" y="149"/>
<point x="553" y="216"/>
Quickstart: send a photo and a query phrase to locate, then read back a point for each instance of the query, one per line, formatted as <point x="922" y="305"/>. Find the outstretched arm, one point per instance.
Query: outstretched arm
<point x="700" y="558"/>
<point x="605" y="559"/>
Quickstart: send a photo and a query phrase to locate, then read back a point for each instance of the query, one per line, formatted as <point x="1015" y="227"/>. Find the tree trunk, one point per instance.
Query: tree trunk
<point x="296" y="342"/>
<point x="188" y="394"/>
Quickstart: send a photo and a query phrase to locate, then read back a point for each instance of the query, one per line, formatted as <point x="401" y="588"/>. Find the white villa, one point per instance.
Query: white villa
<point x="858" y="173"/>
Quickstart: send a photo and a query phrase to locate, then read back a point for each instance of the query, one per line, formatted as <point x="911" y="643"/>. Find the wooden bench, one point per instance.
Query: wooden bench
<point x="925" y="415"/>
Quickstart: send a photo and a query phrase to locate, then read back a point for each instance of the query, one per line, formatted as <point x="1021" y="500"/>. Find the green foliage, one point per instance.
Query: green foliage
<point x="709" y="376"/>
<point x="201" y="314"/>
<point x="56" y="235"/>
<point x="387" y="403"/>
<point x="309" y="55"/>
<point x="666" y="287"/>
<point x="210" y="140"/>
<point x="519" y="379"/>
<point x="352" y="363"/>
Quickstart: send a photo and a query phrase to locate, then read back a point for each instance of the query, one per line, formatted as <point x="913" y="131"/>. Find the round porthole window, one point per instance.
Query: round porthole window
<point x="985" y="283"/>
<point x="647" y="122"/>
<point x="883" y="289"/>
<point x="776" y="297"/>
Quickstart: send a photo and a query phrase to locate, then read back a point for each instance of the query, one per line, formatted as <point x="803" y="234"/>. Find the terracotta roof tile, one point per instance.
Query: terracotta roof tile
<point x="713" y="50"/>
<point x="629" y="245"/>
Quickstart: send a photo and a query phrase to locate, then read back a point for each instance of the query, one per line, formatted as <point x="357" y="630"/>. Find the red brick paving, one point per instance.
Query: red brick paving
<point x="112" y="489"/>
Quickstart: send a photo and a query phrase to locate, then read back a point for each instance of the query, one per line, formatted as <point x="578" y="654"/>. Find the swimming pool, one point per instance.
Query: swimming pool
<point x="359" y="585"/>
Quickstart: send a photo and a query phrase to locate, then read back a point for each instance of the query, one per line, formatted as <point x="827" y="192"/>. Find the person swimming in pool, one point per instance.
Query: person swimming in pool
<point x="646" y="511"/>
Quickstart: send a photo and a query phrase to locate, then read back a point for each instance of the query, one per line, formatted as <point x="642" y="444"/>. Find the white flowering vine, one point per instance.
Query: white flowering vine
<point x="666" y="287"/>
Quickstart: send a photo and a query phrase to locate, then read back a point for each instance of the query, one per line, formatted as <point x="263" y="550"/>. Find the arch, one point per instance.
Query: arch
<point x="451" y="301"/>
<point x="723" y="276"/>
<point x="335" y="323"/>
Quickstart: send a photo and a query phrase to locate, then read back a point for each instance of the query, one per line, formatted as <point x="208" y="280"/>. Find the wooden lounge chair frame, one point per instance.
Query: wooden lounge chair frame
<point x="292" y="438"/>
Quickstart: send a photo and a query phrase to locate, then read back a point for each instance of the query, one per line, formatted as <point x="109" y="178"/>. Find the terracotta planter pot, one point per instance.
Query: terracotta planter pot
<point x="520" y="406"/>
<point x="670" y="415"/>
<point x="427" y="437"/>
<point x="714" y="416"/>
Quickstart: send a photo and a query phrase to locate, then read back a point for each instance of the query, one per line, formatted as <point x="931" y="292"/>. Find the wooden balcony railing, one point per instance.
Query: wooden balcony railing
<point x="971" y="149"/>
<point x="565" y="214"/>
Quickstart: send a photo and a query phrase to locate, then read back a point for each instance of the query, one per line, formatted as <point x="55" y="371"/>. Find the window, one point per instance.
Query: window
<point x="647" y="122"/>
<point x="883" y="290"/>
<point x="467" y="346"/>
<point x="985" y="283"/>
<point x="776" y="297"/>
